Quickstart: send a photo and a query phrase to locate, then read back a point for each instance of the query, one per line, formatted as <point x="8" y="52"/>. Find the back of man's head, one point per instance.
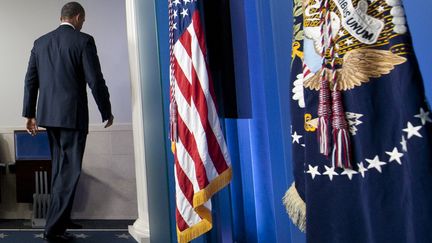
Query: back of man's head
<point x="71" y="10"/>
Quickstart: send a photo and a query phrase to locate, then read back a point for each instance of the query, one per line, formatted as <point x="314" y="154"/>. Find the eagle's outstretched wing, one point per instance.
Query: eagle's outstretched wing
<point x="313" y="82"/>
<point x="359" y="66"/>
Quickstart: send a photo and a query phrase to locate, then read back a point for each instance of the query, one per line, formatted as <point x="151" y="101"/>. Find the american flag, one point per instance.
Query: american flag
<point x="202" y="162"/>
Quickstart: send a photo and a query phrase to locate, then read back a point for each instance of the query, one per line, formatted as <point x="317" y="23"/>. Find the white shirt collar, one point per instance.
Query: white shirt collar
<point x="66" y="23"/>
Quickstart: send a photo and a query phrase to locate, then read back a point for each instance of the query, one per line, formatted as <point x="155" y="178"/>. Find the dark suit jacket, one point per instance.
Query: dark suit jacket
<point x="61" y="63"/>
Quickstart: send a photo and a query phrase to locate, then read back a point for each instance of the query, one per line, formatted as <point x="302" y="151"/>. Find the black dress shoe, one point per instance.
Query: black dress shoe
<point x="72" y="225"/>
<point x="54" y="238"/>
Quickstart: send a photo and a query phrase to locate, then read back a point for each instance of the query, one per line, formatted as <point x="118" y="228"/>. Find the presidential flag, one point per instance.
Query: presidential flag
<point x="361" y="125"/>
<point x="202" y="162"/>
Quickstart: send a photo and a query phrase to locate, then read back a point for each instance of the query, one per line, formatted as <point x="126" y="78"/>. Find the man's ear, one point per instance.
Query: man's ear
<point x="77" y="17"/>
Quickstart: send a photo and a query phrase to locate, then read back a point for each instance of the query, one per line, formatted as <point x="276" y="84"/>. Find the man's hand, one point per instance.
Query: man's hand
<point x="31" y="126"/>
<point x="109" y="122"/>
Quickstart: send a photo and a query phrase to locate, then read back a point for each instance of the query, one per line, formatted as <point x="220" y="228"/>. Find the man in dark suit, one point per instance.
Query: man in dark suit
<point x="61" y="63"/>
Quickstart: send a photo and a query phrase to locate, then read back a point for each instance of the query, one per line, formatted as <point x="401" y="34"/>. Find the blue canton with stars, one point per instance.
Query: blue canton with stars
<point x="181" y="13"/>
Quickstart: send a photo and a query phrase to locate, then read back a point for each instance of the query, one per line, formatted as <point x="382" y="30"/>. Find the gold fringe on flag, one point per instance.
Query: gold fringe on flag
<point x="216" y="185"/>
<point x="295" y="207"/>
<point x="196" y="230"/>
<point x="199" y="199"/>
<point x="173" y="147"/>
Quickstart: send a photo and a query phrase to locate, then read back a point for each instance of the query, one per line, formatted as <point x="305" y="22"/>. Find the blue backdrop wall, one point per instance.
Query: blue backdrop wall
<point x="419" y="13"/>
<point x="250" y="209"/>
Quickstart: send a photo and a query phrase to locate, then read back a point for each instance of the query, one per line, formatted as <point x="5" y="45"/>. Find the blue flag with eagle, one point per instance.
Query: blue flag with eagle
<point x="361" y="125"/>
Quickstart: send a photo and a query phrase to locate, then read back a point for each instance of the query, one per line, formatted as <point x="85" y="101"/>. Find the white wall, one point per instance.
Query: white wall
<point x="107" y="187"/>
<point x="23" y="21"/>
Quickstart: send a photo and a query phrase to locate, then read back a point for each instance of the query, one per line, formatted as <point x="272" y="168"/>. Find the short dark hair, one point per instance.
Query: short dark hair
<point x="71" y="9"/>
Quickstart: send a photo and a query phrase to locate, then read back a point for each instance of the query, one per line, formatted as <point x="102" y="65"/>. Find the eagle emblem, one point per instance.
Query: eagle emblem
<point x="360" y="31"/>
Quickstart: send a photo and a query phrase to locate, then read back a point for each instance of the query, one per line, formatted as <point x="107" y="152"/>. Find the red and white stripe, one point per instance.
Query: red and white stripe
<point x="201" y="153"/>
<point x="306" y="72"/>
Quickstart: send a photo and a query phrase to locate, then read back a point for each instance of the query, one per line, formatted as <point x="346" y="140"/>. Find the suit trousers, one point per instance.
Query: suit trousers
<point x="67" y="150"/>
